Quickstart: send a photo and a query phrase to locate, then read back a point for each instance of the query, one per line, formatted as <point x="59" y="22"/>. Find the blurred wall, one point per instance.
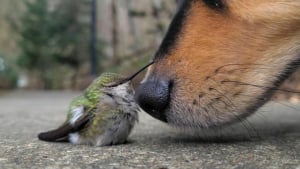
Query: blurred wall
<point x="139" y="24"/>
<point x="9" y="11"/>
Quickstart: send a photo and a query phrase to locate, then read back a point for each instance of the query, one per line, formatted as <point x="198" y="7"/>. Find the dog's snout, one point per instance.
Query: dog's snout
<point x="153" y="96"/>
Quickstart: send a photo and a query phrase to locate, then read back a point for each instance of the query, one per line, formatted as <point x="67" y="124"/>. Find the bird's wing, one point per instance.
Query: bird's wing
<point x="104" y="116"/>
<point x="61" y="133"/>
<point x="80" y="114"/>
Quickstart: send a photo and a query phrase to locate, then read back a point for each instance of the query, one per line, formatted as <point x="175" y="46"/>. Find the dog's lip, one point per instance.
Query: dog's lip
<point x="157" y="114"/>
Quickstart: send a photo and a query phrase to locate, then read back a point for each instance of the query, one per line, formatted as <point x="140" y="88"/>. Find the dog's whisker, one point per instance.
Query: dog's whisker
<point x="245" y="70"/>
<point x="235" y="64"/>
<point x="259" y="86"/>
<point x="273" y="100"/>
<point x="244" y="122"/>
<point x="234" y="108"/>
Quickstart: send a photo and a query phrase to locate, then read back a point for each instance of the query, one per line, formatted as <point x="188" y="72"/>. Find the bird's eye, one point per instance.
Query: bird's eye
<point x="214" y="4"/>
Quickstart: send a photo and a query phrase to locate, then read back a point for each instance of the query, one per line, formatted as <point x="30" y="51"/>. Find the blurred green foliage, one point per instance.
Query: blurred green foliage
<point x="8" y="74"/>
<point x="53" y="38"/>
<point x="35" y="32"/>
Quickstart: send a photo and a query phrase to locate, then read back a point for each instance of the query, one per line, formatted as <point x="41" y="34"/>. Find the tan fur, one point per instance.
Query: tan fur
<point x="252" y="42"/>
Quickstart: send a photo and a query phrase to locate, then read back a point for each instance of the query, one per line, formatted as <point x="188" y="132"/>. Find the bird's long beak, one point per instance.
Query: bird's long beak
<point x="127" y="79"/>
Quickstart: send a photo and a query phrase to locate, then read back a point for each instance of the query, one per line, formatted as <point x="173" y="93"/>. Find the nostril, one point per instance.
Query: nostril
<point x="154" y="95"/>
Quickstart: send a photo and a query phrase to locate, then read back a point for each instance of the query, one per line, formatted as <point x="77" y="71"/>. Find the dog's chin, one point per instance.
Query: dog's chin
<point x="191" y="118"/>
<point x="187" y="120"/>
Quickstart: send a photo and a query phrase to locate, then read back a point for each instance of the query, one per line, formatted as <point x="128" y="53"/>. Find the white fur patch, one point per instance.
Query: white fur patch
<point x="76" y="114"/>
<point x="74" y="138"/>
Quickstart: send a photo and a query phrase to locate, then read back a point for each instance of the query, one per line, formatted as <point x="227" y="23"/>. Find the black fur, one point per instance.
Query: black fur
<point x="174" y="30"/>
<point x="215" y="4"/>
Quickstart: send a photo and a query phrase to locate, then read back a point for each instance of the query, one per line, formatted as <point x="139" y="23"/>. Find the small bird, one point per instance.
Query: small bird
<point x="103" y="115"/>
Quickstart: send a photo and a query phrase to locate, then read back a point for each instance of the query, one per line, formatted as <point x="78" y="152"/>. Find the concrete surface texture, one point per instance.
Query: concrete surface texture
<point x="271" y="139"/>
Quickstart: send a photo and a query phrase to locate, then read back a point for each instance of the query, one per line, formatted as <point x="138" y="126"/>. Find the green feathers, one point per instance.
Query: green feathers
<point x="91" y="96"/>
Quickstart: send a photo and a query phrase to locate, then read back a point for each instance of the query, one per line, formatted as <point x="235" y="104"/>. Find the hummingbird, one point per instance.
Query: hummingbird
<point x="103" y="115"/>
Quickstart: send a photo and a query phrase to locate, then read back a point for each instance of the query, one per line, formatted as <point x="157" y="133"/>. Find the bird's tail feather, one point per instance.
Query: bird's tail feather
<point x="57" y="135"/>
<point x="61" y="134"/>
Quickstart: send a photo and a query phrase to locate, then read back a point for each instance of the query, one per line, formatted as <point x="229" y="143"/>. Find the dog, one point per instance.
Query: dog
<point x="221" y="60"/>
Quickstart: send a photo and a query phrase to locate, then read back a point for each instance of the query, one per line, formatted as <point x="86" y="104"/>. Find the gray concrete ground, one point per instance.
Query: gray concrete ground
<point x="271" y="139"/>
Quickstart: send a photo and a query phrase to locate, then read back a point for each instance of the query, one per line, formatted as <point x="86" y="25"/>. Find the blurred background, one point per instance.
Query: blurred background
<point x="64" y="44"/>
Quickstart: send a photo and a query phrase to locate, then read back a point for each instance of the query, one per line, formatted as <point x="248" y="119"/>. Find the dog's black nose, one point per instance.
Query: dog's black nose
<point x="153" y="96"/>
